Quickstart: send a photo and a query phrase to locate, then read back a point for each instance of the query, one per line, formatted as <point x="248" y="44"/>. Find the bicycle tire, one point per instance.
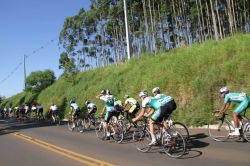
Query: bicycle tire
<point x="80" y="125"/>
<point x="100" y="131"/>
<point x="87" y="123"/>
<point x="219" y="129"/>
<point x="58" y="121"/>
<point x="141" y="139"/>
<point x="116" y="131"/>
<point x="246" y="132"/>
<point x="182" y="129"/>
<point x="173" y="143"/>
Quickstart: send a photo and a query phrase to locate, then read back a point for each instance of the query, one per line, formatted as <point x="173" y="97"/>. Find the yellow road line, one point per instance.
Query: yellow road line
<point x="73" y="155"/>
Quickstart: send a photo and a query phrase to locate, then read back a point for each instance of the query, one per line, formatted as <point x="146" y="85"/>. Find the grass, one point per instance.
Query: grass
<point x="192" y="75"/>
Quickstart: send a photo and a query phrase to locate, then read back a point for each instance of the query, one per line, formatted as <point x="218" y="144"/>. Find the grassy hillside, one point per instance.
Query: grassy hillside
<point x="192" y="75"/>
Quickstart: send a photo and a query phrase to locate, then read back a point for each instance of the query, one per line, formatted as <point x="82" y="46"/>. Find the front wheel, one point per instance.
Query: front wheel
<point x="173" y="143"/>
<point x="100" y="130"/>
<point x="182" y="129"/>
<point x="141" y="139"/>
<point x="116" y="131"/>
<point x="219" y="129"/>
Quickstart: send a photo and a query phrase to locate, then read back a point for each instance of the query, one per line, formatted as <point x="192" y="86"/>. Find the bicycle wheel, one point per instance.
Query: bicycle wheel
<point x="79" y="125"/>
<point x="141" y="139"/>
<point x="182" y="129"/>
<point x="116" y="131"/>
<point x="58" y="121"/>
<point x="70" y="124"/>
<point x="219" y="129"/>
<point x="173" y="143"/>
<point x="100" y="130"/>
<point x="87" y="123"/>
<point x="246" y="132"/>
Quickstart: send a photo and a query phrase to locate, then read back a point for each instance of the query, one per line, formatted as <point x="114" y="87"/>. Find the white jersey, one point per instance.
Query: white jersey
<point x="54" y="108"/>
<point x="33" y="108"/>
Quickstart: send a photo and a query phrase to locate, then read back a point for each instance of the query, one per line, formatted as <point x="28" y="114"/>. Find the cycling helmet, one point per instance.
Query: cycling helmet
<point x="126" y="96"/>
<point x="143" y="93"/>
<point x="87" y="102"/>
<point x="72" y="101"/>
<point x="224" y="90"/>
<point x="156" y="90"/>
<point x="52" y="104"/>
<point x="103" y="92"/>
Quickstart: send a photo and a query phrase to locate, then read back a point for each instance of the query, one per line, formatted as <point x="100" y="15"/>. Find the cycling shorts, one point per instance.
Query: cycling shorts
<point x="76" y="112"/>
<point x="40" y="110"/>
<point x="54" y="112"/>
<point x="242" y="106"/>
<point x="109" y="115"/>
<point x="164" y="111"/>
<point x="92" y="111"/>
<point x="134" y="109"/>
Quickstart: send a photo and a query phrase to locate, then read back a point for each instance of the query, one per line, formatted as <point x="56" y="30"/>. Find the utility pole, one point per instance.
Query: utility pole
<point x="127" y="28"/>
<point x="24" y="69"/>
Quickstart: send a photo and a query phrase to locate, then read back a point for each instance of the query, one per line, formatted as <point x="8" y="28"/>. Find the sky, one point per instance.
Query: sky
<point x="31" y="28"/>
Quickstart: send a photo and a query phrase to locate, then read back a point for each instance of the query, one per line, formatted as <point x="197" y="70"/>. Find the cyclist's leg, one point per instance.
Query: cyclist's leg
<point x="107" y="119"/>
<point x="156" y="117"/>
<point x="131" y="111"/>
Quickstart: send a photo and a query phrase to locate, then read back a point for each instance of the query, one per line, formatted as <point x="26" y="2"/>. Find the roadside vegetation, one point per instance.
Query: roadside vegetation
<point x="193" y="75"/>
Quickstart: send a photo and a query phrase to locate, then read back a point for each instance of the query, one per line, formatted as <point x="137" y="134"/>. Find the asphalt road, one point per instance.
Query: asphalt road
<point x="32" y="144"/>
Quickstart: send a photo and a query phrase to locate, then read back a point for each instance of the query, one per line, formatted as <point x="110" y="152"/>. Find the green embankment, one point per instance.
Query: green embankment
<point x="192" y="75"/>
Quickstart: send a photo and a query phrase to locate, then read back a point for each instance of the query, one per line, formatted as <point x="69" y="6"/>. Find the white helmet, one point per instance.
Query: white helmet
<point x="156" y="90"/>
<point x="143" y="93"/>
<point x="224" y="90"/>
<point x="126" y="96"/>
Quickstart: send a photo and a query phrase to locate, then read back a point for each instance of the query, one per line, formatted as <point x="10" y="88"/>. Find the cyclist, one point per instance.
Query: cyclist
<point x="108" y="99"/>
<point x="91" y="110"/>
<point x="21" y="111"/>
<point x="34" y="110"/>
<point x="240" y="98"/>
<point x="134" y="106"/>
<point x="27" y="110"/>
<point x="161" y="106"/>
<point x="118" y="105"/>
<point x="54" y="109"/>
<point x="10" y="112"/>
<point x="74" y="111"/>
<point x="39" y="110"/>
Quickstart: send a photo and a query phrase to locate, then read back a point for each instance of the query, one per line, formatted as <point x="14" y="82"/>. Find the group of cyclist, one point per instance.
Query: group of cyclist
<point x="159" y="106"/>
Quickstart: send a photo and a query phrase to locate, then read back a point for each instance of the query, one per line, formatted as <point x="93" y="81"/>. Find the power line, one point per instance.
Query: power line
<point x="26" y="56"/>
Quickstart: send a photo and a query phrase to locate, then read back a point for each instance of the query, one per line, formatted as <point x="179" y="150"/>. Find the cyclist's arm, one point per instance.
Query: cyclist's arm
<point x="103" y="110"/>
<point x="224" y="107"/>
<point x="150" y="112"/>
<point x="140" y="115"/>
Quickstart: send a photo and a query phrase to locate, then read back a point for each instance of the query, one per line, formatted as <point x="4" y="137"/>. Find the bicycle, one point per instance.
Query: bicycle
<point x="24" y="118"/>
<point x="171" y="140"/>
<point x="220" y="127"/>
<point x="56" y="120"/>
<point x="78" y="124"/>
<point x="88" y="121"/>
<point x="40" y="118"/>
<point x="116" y="130"/>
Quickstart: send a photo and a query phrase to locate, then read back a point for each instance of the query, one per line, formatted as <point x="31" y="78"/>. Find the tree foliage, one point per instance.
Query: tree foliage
<point x="39" y="80"/>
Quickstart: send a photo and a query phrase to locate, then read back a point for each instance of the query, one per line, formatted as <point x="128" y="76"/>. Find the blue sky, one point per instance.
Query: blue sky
<point x="27" y="27"/>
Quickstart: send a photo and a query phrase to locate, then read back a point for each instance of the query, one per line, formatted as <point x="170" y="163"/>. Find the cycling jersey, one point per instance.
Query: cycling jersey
<point x="91" y="106"/>
<point x="156" y="103"/>
<point x="241" y="98"/>
<point x="131" y="101"/>
<point x="54" y="108"/>
<point x="108" y="102"/>
<point x="27" y="109"/>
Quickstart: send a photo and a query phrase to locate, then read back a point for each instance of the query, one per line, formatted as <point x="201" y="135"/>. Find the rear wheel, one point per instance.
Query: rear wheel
<point x="219" y="129"/>
<point x="173" y="143"/>
<point x="79" y="125"/>
<point x="246" y="132"/>
<point x="141" y="139"/>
